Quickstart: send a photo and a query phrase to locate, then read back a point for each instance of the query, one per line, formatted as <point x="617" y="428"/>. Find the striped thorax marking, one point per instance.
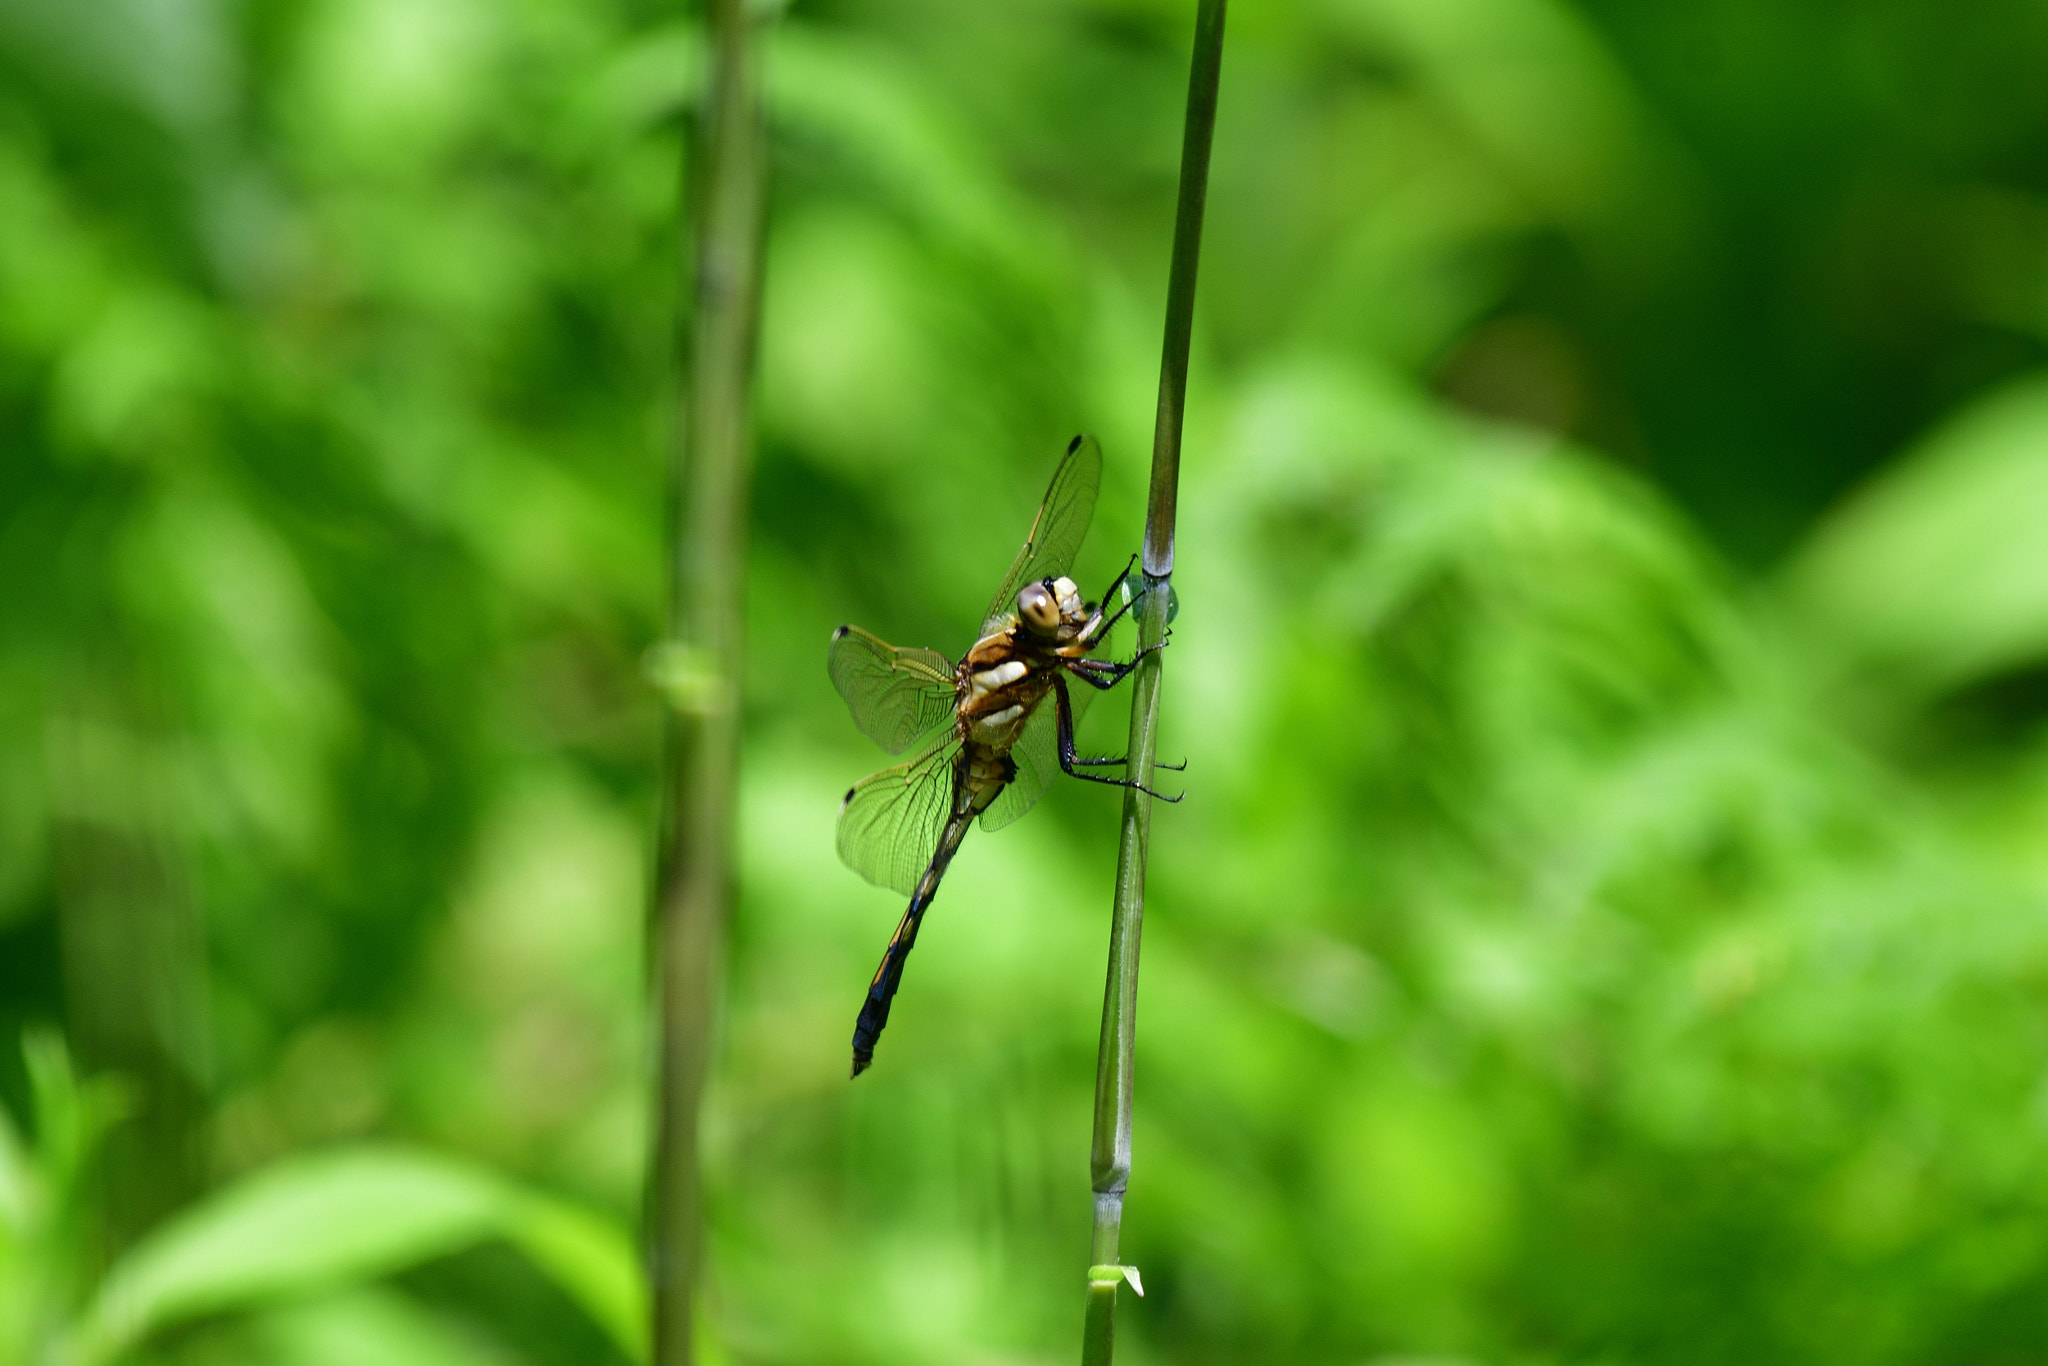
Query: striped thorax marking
<point x="986" y="681"/>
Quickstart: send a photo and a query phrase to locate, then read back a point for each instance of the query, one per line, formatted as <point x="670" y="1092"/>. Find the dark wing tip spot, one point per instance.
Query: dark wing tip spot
<point x="1074" y="445"/>
<point x="841" y="631"/>
<point x="847" y="798"/>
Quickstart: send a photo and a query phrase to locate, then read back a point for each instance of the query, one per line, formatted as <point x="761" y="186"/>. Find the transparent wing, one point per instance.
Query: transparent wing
<point x="1057" y="530"/>
<point x="890" y="821"/>
<point x="1037" y="756"/>
<point x="894" y="695"/>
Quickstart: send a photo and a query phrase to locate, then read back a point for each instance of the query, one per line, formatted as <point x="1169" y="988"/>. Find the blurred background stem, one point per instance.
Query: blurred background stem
<point x="699" y="667"/>
<point x="1110" y="1154"/>
<point x="133" y="941"/>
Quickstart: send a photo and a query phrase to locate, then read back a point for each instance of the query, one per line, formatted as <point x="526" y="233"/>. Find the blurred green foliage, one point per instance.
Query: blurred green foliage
<point x="317" y="1223"/>
<point x="1610" y="917"/>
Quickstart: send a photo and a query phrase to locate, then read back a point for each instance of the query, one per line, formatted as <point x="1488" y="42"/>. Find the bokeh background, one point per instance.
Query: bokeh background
<point x="1609" y="922"/>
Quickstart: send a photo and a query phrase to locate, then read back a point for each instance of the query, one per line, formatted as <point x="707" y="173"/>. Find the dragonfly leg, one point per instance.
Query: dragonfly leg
<point x="1100" y="628"/>
<point x="1180" y="767"/>
<point x="1129" y="565"/>
<point x="1099" y="674"/>
<point x="1069" y="765"/>
<point x="1105" y="674"/>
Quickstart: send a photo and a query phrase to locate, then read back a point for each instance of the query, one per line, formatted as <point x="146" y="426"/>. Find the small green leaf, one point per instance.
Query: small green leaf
<point x="1110" y="1275"/>
<point x="71" y="1116"/>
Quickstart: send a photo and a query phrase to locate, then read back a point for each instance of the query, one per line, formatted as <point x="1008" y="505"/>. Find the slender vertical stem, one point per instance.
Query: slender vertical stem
<point x="1110" y="1156"/>
<point x="699" y="666"/>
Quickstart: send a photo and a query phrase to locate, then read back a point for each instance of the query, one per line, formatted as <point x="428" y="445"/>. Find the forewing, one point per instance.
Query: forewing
<point x="1057" y="530"/>
<point x="1037" y="757"/>
<point x="890" y="821"/>
<point x="895" y="695"/>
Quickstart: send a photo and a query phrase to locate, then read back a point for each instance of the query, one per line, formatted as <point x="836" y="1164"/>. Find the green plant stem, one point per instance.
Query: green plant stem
<point x="1110" y="1155"/>
<point x="699" y="666"/>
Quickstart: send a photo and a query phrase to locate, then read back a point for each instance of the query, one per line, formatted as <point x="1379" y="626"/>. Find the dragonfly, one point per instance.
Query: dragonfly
<point x="988" y="733"/>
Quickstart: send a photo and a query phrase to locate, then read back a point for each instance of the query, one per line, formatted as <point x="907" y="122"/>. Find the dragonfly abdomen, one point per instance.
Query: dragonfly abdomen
<point x="980" y="777"/>
<point x="874" y="1011"/>
<point x="985" y="771"/>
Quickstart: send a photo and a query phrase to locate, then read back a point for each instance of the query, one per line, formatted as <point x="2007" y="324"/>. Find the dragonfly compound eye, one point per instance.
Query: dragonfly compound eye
<point x="1038" y="608"/>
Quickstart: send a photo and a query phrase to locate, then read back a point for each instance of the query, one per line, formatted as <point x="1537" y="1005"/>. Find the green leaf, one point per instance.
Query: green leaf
<point x="17" y="1182"/>
<point x="592" y="1259"/>
<point x="342" y="1217"/>
<point x="1934" y="575"/>
<point x="360" y="1326"/>
<point x="303" y="1224"/>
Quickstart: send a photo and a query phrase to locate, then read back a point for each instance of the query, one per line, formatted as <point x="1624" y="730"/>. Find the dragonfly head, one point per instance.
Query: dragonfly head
<point x="1038" y="607"/>
<point x="1047" y="606"/>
